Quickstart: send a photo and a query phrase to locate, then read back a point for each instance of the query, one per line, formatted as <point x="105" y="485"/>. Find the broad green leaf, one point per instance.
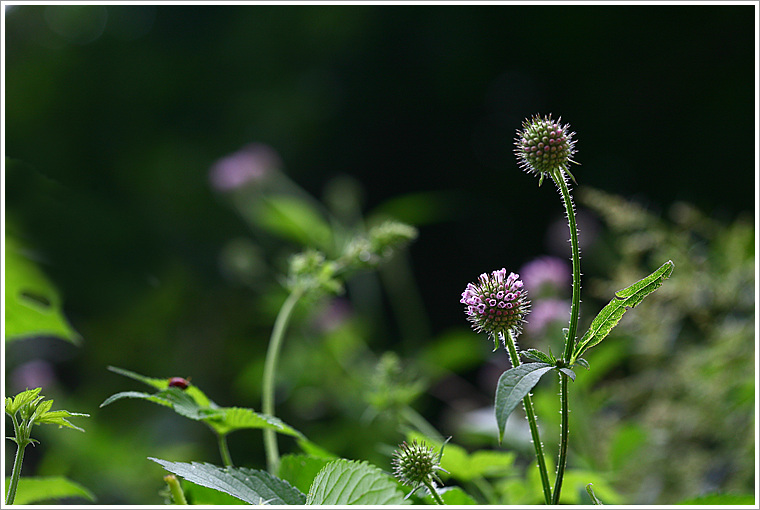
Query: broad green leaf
<point x="250" y="485"/>
<point x="347" y="482"/>
<point x="294" y="219"/>
<point x="513" y="386"/>
<point x="300" y="470"/>
<point x="536" y="355"/>
<point x="624" y="300"/>
<point x="32" y="489"/>
<point x="451" y="496"/>
<point x="14" y="404"/>
<point x="32" y="304"/>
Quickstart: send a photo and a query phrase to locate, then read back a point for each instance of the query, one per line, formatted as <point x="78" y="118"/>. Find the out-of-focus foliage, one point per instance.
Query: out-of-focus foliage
<point x="678" y="404"/>
<point x="379" y="112"/>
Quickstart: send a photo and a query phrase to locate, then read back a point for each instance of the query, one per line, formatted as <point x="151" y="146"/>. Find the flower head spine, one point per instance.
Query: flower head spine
<point x="496" y="303"/>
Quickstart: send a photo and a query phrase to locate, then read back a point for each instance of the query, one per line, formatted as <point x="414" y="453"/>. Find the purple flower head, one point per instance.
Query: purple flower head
<point x="251" y="163"/>
<point x="553" y="272"/>
<point x="496" y="303"/>
<point x="545" y="146"/>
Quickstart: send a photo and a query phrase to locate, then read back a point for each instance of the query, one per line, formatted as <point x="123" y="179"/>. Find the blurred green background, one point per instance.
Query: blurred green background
<point x="115" y="116"/>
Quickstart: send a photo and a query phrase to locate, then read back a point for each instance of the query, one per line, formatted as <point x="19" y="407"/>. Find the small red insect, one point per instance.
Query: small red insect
<point x="179" y="382"/>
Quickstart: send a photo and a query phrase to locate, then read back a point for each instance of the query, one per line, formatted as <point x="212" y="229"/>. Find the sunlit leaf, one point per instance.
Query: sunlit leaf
<point x="624" y="300"/>
<point x="347" y="482"/>
<point x="33" y="306"/>
<point x="294" y="219"/>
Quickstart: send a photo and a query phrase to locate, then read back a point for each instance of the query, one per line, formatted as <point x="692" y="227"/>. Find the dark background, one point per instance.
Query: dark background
<point x="117" y="113"/>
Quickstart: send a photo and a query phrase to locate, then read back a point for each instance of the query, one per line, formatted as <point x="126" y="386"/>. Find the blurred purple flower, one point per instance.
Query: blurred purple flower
<point x="37" y="373"/>
<point x="546" y="311"/>
<point x="546" y="270"/>
<point x="251" y="163"/>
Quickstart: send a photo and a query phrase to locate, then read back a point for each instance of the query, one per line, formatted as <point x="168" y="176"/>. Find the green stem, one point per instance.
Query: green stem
<point x="571" y="333"/>
<point x="224" y="450"/>
<point x="270" y="367"/>
<point x="15" y="475"/>
<point x="434" y="493"/>
<point x="509" y="341"/>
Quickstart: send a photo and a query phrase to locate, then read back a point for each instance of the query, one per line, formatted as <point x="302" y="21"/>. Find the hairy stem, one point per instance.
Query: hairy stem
<point x="509" y="341"/>
<point x="270" y="368"/>
<point x="571" y="333"/>
<point x="15" y="475"/>
<point x="434" y="493"/>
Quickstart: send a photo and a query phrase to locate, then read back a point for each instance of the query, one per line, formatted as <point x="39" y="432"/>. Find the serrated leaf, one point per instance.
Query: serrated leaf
<point x="536" y="355"/>
<point x="624" y="300"/>
<point x="59" y="418"/>
<point x="200" y="495"/>
<point x="32" y="303"/>
<point x="347" y="482"/>
<point x="14" y="404"/>
<point x="513" y="386"/>
<point x="250" y="485"/>
<point x="32" y="489"/>
<point x="136" y="394"/>
<point x="235" y="418"/>
<point x="300" y="470"/>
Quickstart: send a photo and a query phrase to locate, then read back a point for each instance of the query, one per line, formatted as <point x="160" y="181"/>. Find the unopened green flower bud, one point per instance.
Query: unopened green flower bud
<point x="417" y="464"/>
<point x="545" y="147"/>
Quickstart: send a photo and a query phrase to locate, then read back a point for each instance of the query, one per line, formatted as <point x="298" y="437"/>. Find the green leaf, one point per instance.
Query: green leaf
<point x="163" y="383"/>
<point x="513" y="386"/>
<point x="568" y="373"/>
<point x="624" y="300"/>
<point x="14" y="404"/>
<point x="32" y="489"/>
<point x="582" y="362"/>
<point x="194" y="404"/>
<point x="59" y="418"/>
<point x="294" y="219"/>
<point x="235" y="418"/>
<point x="347" y="482"/>
<point x="200" y="495"/>
<point x="536" y="355"/>
<point x="300" y="470"/>
<point x="250" y="485"/>
<point x="32" y="304"/>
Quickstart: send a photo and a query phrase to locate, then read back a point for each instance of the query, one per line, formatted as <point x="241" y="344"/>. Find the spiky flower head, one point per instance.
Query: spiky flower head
<point x="496" y="303"/>
<point x="545" y="147"/>
<point x="417" y="464"/>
